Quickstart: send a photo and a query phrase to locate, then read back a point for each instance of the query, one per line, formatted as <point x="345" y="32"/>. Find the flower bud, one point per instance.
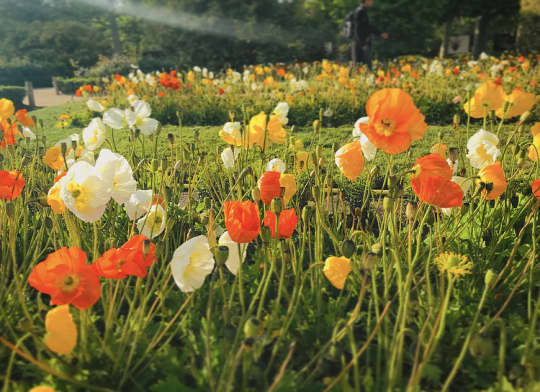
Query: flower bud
<point x="276" y="205"/>
<point x="456" y="121"/>
<point x="306" y="214"/>
<point x="388" y="204"/>
<point x="146" y="246"/>
<point x="170" y="137"/>
<point x="348" y="248"/>
<point x="376" y="248"/>
<point x="222" y="254"/>
<point x="63" y="149"/>
<point x="490" y="277"/>
<point x="10" y="210"/>
<point x="251" y="328"/>
<point x="256" y="194"/>
<point x="524" y="117"/>
<point x="411" y="210"/>
<point x="481" y="347"/>
<point x="74" y="145"/>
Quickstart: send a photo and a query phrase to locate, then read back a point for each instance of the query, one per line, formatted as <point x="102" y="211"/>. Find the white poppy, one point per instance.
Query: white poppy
<point x="140" y="118"/>
<point x="153" y="223"/>
<point x="115" y="118"/>
<point x="276" y="164"/>
<point x="26" y="132"/>
<point x="233" y="261"/>
<point x="368" y="149"/>
<point x="81" y="155"/>
<point x="94" y="106"/>
<point x="84" y="192"/>
<point x="281" y="111"/>
<point x="132" y="99"/>
<point x="138" y="204"/>
<point x="228" y="156"/>
<point x="94" y="134"/>
<point x="453" y="164"/>
<point x="192" y="262"/>
<point x="482" y="149"/>
<point x="116" y="169"/>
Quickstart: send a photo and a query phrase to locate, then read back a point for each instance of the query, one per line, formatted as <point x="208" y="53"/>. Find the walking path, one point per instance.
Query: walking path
<point x="46" y="97"/>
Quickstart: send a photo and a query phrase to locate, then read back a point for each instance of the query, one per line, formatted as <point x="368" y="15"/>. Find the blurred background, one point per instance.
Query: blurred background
<point x="40" y="39"/>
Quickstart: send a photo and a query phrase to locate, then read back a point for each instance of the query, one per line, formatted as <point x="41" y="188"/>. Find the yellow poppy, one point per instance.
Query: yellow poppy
<point x="61" y="334"/>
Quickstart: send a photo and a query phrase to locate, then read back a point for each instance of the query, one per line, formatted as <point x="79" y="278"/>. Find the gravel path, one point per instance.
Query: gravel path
<point x="47" y="97"/>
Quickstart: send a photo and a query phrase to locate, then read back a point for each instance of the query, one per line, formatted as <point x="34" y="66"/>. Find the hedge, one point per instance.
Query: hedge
<point x="13" y="93"/>
<point x="70" y="85"/>
<point x="39" y="74"/>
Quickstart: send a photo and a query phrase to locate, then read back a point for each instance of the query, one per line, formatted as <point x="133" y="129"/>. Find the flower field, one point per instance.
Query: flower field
<point x="304" y="227"/>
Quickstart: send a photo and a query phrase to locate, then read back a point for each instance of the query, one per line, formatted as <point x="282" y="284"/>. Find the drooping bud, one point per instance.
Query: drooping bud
<point x="222" y="254"/>
<point x="348" y="248"/>
<point x="411" y="210"/>
<point x="256" y="194"/>
<point x="388" y="204"/>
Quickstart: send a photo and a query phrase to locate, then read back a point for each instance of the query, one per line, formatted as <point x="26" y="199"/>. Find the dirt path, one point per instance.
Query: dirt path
<point x="47" y="97"/>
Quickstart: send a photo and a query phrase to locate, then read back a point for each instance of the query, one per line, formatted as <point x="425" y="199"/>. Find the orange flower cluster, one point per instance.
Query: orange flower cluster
<point x="87" y="88"/>
<point x="431" y="182"/>
<point x="242" y="220"/>
<point x="170" y="80"/>
<point x="11" y="184"/>
<point x="65" y="276"/>
<point x="10" y="132"/>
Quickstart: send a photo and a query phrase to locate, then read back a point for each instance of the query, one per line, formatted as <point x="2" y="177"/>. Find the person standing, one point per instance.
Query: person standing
<point x="362" y="31"/>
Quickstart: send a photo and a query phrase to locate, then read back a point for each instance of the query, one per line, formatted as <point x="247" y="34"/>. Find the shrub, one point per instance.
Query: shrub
<point x="110" y="66"/>
<point x="70" y="85"/>
<point x="15" y="94"/>
<point x="39" y="74"/>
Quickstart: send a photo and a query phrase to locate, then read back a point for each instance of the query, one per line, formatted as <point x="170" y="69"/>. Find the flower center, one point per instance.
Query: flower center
<point x="417" y="169"/>
<point x="385" y="127"/>
<point x="79" y="193"/>
<point x="70" y="283"/>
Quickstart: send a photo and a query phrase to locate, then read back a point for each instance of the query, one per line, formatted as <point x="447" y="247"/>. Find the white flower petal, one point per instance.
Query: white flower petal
<point x="191" y="263"/>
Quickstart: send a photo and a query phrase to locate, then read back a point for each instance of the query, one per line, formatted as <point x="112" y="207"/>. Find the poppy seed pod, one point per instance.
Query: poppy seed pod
<point x="411" y="210"/>
<point x="74" y="145"/>
<point x="137" y="133"/>
<point x="170" y="137"/>
<point x="388" y="204"/>
<point x="222" y="254"/>
<point x="256" y="194"/>
<point x="489" y="277"/>
<point x="348" y="248"/>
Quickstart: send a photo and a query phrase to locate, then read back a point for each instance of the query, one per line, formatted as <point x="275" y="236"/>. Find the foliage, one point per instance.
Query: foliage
<point x="70" y="85"/>
<point x="39" y="74"/>
<point x="15" y="94"/>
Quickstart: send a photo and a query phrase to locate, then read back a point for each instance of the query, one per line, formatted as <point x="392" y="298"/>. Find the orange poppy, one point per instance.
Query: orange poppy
<point x="493" y="177"/>
<point x="350" y="160"/>
<point x="53" y="158"/>
<point x="286" y="223"/>
<point x="519" y="101"/>
<point x="489" y="96"/>
<point x="439" y="191"/>
<point x="10" y="133"/>
<point x="24" y="119"/>
<point x="439" y="148"/>
<point x="394" y="121"/>
<point x="242" y="220"/>
<point x="65" y="276"/>
<point x="432" y="165"/>
<point x="11" y="184"/>
<point x="535" y="129"/>
<point x="275" y="184"/>
<point x="536" y="189"/>
<point x="129" y="259"/>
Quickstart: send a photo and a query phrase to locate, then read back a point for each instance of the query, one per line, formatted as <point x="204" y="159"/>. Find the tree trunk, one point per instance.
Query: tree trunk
<point x="446" y="39"/>
<point x="480" y="35"/>
<point x="117" y="45"/>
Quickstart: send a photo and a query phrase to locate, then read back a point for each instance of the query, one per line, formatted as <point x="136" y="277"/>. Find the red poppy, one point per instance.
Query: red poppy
<point x="440" y="192"/>
<point x="270" y="186"/>
<point x="536" y="189"/>
<point x="65" y="276"/>
<point x="394" y="121"/>
<point x="242" y="220"/>
<point x="432" y="165"/>
<point x="23" y="118"/>
<point x="11" y="184"/>
<point x="286" y="223"/>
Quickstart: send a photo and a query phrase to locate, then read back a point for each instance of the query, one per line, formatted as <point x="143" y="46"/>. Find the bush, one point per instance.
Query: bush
<point x="13" y="93"/>
<point x="70" y="85"/>
<point x="110" y="66"/>
<point x="39" y="74"/>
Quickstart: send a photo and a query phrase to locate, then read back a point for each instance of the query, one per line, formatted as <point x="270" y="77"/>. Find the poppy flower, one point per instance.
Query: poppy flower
<point x="231" y="133"/>
<point x="11" y="184"/>
<point x="336" y="270"/>
<point x="117" y="172"/>
<point x="519" y="101"/>
<point x="482" y="149"/>
<point x="233" y="260"/>
<point x="286" y="223"/>
<point x="275" y="184"/>
<point x="535" y="129"/>
<point x="276" y="164"/>
<point x="432" y="165"/>
<point x="192" y="262"/>
<point x="130" y="259"/>
<point x="262" y="133"/>
<point x="439" y="191"/>
<point x="493" y="177"/>
<point x="65" y="276"/>
<point x="368" y="148"/>
<point x="228" y="157"/>
<point x="350" y="160"/>
<point x="23" y="118"/>
<point x="10" y="133"/>
<point x="536" y="189"/>
<point x="242" y="220"/>
<point x="154" y="222"/>
<point x="94" y="134"/>
<point x="303" y="161"/>
<point x="42" y="388"/>
<point x="534" y="149"/>
<point x="489" y="96"/>
<point x="394" y="121"/>
<point x="6" y="109"/>
<point x="61" y="334"/>
<point x="54" y="200"/>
